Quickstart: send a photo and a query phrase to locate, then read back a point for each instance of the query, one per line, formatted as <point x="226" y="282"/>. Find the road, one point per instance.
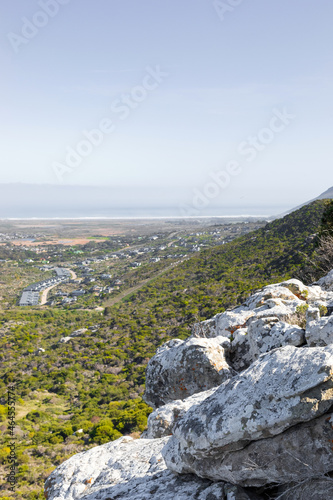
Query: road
<point x="137" y="287"/>
<point x="45" y="292"/>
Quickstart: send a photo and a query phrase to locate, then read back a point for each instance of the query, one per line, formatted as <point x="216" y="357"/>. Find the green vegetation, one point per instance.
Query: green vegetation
<point x="327" y="221"/>
<point x="75" y="394"/>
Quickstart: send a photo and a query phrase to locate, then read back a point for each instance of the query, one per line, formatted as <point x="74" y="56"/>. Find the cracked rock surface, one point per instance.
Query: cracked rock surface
<point x="282" y="388"/>
<point x="183" y="368"/>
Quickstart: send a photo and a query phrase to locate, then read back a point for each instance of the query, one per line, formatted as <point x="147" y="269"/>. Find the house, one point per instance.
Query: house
<point x="89" y="280"/>
<point x="29" y="298"/>
<point x="68" y="301"/>
<point x="78" y="293"/>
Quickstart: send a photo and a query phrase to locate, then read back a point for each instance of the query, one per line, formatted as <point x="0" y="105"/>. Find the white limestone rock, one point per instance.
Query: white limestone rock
<point x="114" y="463"/>
<point x="282" y="388"/>
<point x="79" y="332"/>
<point x="319" y="331"/>
<point x="262" y="335"/>
<point x="64" y="340"/>
<point x="280" y="300"/>
<point x="162" y="421"/>
<point x="183" y="368"/>
<point x="240" y="357"/>
<point x="204" y="329"/>
<point x="282" y="309"/>
<point x="302" y="451"/>
<point x="298" y="288"/>
<point x="229" y="322"/>
<point x="276" y="291"/>
<point x="326" y="282"/>
<point x="316" y="292"/>
<point x="129" y="469"/>
<point x="223" y="324"/>
<point x="265" y="334"/>
<point x="312" y="314"/>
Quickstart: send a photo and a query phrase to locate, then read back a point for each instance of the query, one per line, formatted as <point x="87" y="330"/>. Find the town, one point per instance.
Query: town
<point x="67" y="270"/>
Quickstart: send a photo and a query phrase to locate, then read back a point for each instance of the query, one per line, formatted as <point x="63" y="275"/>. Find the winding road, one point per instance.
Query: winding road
<point x="45" y="292"/>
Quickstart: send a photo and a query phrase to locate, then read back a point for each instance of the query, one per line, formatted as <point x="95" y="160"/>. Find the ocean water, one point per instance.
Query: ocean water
<point x="139" y="213"/>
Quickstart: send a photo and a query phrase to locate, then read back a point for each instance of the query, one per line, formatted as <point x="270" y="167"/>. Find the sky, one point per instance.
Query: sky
<point x="226" y="103"/>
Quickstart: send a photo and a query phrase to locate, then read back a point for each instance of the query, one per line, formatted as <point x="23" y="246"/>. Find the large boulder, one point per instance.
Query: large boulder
<point x="311" y="489"/>
<point x="262" y="299"/>
<point x="229" y="322"/>
<point x="262" y="335"/>
<point x="265" y="334"/>
<point x="282" y="388"/>
<point x="162" y="421"/>
<point x="273" y="300"/>
<point x="319" y="331"/>
<point x="204" y="329"/>
<point x="129" y="469"/>
<point x="282" y="309"/>
<point x="223" y="324"/>
<point x="182" y="368"/>
<point x="326" y="282"/>
<point x="302" y="451"/>
<point x="298" y="288"/>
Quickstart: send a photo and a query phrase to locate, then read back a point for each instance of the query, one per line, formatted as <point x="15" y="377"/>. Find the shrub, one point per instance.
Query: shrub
<point x="104" y="432"/>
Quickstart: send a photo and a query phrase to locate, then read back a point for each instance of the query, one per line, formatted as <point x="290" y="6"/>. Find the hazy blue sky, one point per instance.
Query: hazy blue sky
<point x="229" y="74"/>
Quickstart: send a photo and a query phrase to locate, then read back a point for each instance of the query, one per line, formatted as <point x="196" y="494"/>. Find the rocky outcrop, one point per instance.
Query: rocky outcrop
<point x="243" y="410"/>
<point x="326" y="282"/>
<point x="309" y="489"/>
<point x="183" y="368"/>
<point x="205" y="329"/>
<point x="129" y="469"/>
<point x="282" y="388"/>
<point x="265" y="334"/>
<point x="290" y="456"/>
<point x="163" y="420"/>
<point x="266" y="320"/>
<point x="319" y="332"/>
<point x="115" y="464"/>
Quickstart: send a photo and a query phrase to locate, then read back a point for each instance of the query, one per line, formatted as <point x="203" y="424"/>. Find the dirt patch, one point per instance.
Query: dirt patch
<point x="65" y="242"/>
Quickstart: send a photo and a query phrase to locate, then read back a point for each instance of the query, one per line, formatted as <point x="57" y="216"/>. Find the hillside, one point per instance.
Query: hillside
<point x="93" y="382"/>
<point x="326" y="195"/>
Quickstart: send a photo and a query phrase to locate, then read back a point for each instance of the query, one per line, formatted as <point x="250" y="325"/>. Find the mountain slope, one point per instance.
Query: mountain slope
<point x="326" y="195"/>
<point x="220" y="277"/>
<point x="94" y="382"/>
